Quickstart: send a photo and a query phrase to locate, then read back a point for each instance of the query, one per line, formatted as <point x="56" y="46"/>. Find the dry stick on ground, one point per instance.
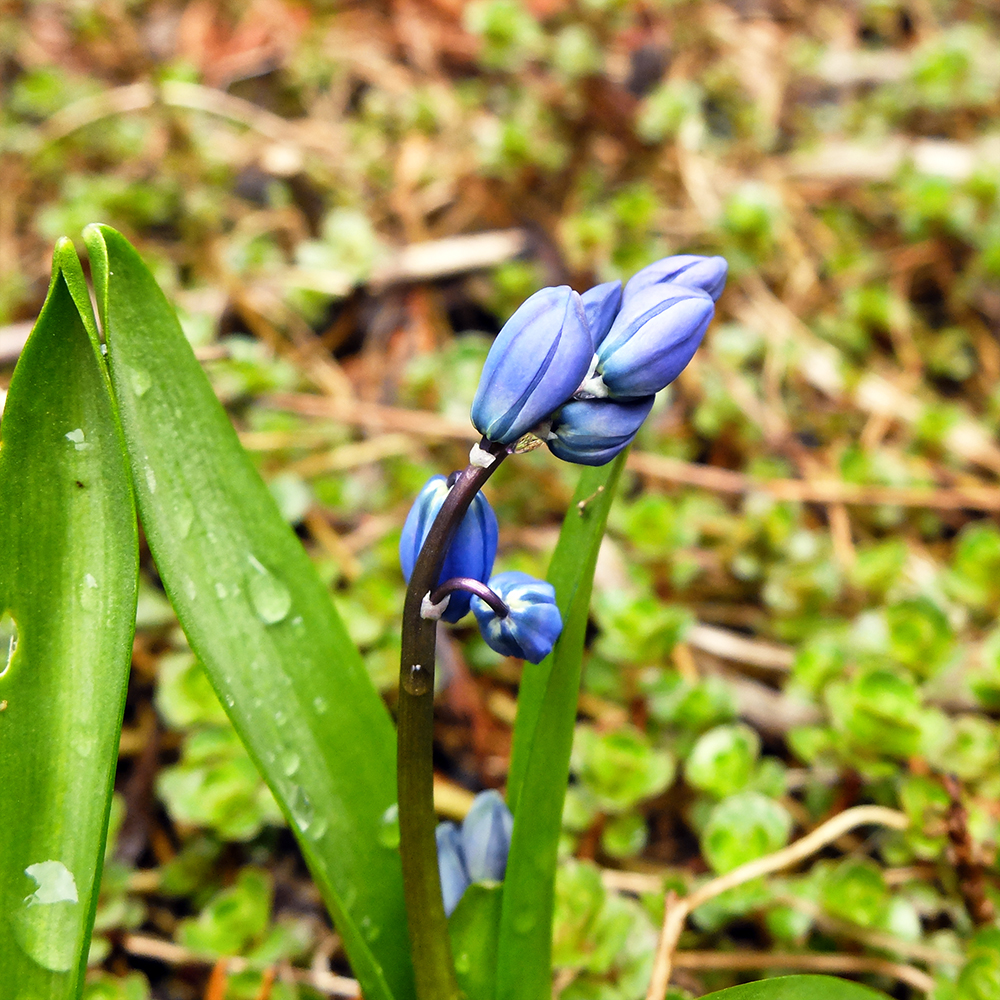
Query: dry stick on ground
<point x="676" y="911"/>
<point x="850" y="964"/>
<point x="173" y="954"/>
<point x="658" y="467"/>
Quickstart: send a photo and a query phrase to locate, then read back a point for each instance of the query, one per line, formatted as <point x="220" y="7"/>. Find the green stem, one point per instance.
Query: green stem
<point x="428" y="926"/>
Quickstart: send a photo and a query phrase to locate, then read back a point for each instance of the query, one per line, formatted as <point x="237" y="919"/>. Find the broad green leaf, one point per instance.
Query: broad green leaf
<point x="258" y="617"/>
<point x="543" y="738"/>
<point x="798" y="988"/>
<point x="68" y="582"/>
<point x="473" y="929"/>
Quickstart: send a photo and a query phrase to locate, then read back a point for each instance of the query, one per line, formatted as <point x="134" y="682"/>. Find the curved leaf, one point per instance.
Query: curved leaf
<point x="543" y="737"/>
<point x="68" y="583"/>
<point x="258" y="617"/>
<point x="798" y="988"/>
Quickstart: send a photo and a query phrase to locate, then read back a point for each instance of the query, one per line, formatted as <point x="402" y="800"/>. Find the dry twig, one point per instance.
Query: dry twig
<point x="676" y="911"/>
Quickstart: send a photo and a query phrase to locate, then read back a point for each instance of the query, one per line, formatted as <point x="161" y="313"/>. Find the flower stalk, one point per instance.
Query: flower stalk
<point x="428" y="928"/>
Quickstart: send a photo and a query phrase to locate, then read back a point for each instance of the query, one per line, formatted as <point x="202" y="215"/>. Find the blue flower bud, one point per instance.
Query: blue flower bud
<point x="706" y="273"/>
<point x="537" y="362"/>
<point x="601" y="303"/>
<point x="472" y="550"/>
<point x="531" y="628"/>
<point x="651" y="341"/>
<point x="486" y="835"/>
<point x="451" y="865"/>
<point x="593" y="431"/>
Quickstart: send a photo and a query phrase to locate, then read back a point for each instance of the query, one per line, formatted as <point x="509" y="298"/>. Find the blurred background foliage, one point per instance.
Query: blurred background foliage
<point x="795" y="609"/>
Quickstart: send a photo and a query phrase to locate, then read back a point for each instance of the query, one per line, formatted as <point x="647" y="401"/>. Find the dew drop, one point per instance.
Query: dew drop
<point x="388" y="828"/>
<point x="150" y="479"/>
<point x="48" y="923"/>
<point x="291" y="764"/>
<point x="230" y="701"/>
<point x="318" y="829"/>
<point x="89" y="580"/>
<point x="369" y="930"/>
<point x="8" y="640"/>
<point x="279" y="717"/>
<point x="463" y="963"/>
<point x="271" y="599"/>
<point x="140" y="381"/>
<point x="524" y="922"/>
<point x="184" y="513"/>
<point x="76" y="438"/>
<point x="302" y="809"/>
<point x="190" y="589"/>
<point x="220" y="591"/>
<point x="418" y="680"/>
<point x="320" y="704"/>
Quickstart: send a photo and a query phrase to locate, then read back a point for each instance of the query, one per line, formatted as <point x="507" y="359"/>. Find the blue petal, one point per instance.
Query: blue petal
<point x="533" y="625"/>
<point x="601" y="303"/>
<point x="706" y="273"/>
<point x="593" y="431"/>
<point x="486" y="835"/>
<point x="653" y="339"/>
<point x="451" y="865"/>
<point x="473" y="547"/>
<point x="536" y="363"/>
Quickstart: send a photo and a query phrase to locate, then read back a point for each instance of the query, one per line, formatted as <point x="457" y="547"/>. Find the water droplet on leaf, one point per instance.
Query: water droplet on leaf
<point x="48" y="923"/>
<point x="8" y="641"/>
<point x="291" y="764"/>
<point x="388" y="829"/>
<point x="140" y="381"/>
<point x="418" y="680"/>
<point x="271" y="599"/>
<point x="320" y="704"/>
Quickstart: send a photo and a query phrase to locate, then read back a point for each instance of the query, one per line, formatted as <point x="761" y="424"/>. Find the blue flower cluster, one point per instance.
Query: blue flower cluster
<point x="478" y="851"/>
<point x="581" y="371"/>
<point x="532" y="624"/>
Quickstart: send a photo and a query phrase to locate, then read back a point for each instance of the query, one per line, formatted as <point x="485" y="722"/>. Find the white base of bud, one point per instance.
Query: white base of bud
<point x="480" y="457"/>
<point x="433" y="612"/>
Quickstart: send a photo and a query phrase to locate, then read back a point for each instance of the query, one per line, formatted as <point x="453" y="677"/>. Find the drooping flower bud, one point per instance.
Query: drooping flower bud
<point x="593" y="431"/>
<point x="486" y="833"/>
<point x="706" y="273"/>
<point x="651" y="341"/>
<point x="530" y="629"/>
<point x="536" y="363"/>
<point x="451" y="865"/>
<point x="601" y="303"/>
<point x="473" y="547"/>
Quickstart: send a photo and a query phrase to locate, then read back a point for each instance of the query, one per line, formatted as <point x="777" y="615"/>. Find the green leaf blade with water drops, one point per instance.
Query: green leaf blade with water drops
<point x="258" y="617"/>
<point x="68" y="583"/>
<point x="798" y="988"/>
<point x="543" y="737"/>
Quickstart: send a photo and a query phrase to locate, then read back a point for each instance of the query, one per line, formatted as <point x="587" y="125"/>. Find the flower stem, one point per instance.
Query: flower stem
<point x="428" y="926"/>
<point x="473" y="587"/>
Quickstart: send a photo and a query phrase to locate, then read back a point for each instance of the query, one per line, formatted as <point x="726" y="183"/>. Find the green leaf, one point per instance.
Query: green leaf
<point x="543" y="738"/>
<point x="798" y="988"/>
<point x="258" y="617"/>
<point x="473" y="929"/>
<point x="68" y="581"/>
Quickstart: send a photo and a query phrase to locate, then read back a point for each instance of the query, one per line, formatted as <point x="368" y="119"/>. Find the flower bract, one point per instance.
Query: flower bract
<point x="530" y="629"/>
<point x="473" y="547"/>
<point x="593" y="431"/>
<point x="536" y="363"/>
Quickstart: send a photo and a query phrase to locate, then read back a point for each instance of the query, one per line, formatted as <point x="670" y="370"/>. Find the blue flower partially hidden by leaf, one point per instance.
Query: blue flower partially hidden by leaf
<point x="472" y="550"/>
<point x="533" y="624"/>
<point x="476" y="853"/>
<point x="536" y="363"/>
